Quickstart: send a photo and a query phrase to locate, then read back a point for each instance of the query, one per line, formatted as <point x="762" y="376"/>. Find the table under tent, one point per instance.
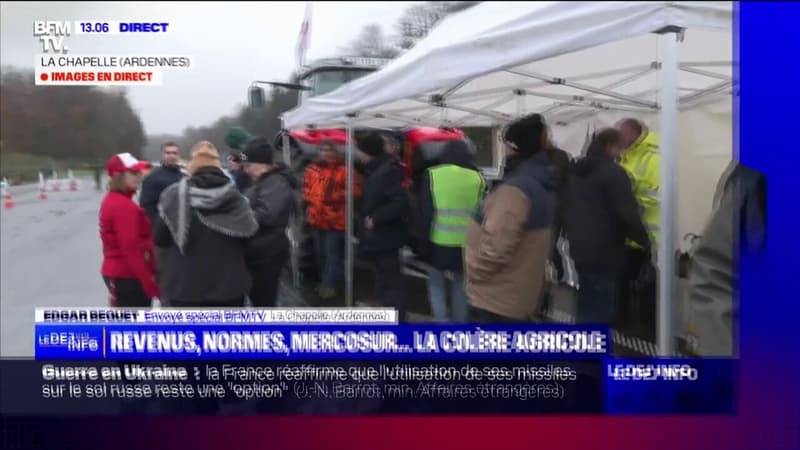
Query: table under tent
<point x="584" y="65"/>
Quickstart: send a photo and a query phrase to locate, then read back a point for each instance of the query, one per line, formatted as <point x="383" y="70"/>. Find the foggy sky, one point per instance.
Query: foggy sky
<point x="231" y="44"/>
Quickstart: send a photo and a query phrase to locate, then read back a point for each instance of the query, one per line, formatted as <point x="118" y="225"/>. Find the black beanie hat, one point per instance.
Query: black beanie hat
<point x="258" y="150"/>
<point x="524" y="134"/>
<point x="372" y="144"/>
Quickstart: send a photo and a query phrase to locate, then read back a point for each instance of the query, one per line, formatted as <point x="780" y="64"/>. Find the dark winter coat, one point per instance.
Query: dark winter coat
<point x="204" y="261"/>
<point x="561" y="162"/>
<point x="601" y="213"/>
<point x="154" y="184"/>
<point x="508" y="240"/>
<point x="242" y="180"/>
<point x="272" y="200"/>
<point x="387" y="203"/>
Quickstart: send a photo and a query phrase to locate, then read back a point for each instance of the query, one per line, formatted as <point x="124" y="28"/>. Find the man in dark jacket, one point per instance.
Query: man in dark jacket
<point x="203" y="227"/>
<point x="449" y="194"/>
<point x="601" y="214"/>
<point x="508" y="240"/>
<point x="384" y="206"/>
<point x="561" y="162"/>
<point x="272" y="199"/>
<point x="158" y="179"/>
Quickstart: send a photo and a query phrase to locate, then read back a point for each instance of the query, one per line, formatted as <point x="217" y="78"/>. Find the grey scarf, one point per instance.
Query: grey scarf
<point x="222" y="209"/>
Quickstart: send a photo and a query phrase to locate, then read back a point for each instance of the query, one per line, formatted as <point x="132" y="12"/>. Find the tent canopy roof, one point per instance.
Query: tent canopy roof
<point x="482" y="66"/>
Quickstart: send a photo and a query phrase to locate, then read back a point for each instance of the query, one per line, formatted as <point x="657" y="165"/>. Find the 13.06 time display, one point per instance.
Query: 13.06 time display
<point x="94" y="27"/>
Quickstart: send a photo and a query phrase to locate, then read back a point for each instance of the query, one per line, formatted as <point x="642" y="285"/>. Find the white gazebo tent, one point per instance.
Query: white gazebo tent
<point x="583" y="65"/>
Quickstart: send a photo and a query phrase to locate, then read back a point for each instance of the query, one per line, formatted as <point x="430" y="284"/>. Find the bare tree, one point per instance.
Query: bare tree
<point x="371" y="42"/>
<point x="418" y="20"/>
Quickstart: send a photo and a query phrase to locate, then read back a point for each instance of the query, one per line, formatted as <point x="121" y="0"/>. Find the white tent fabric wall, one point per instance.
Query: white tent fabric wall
<point x="476" y="58"/>
<point x="704" y="150"/>
<point x="578" y="63"/>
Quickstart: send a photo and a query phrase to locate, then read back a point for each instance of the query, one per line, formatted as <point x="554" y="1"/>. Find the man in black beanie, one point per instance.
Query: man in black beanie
<point x="272" y="200"/>
<point x="383" y="207"/>
<point x="508" y="240"/>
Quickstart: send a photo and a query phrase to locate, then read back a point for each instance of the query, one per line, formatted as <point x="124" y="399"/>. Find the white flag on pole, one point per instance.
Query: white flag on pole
<point x="303" y="37"/>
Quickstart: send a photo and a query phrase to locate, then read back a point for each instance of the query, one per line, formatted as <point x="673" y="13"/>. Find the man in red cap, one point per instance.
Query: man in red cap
<point x="128" y="259"/>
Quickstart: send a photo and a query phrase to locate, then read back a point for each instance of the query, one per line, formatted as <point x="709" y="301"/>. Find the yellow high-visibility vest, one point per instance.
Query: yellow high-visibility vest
<point x="456" y="193"/>
<point x="643" y="164"/>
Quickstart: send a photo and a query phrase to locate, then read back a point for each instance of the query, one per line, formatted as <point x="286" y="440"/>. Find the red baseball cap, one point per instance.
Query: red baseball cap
<point x="143" y="166"/>
<point x="122" y="162"/>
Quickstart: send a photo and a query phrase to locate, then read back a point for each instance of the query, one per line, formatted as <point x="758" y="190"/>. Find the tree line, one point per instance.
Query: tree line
<point x="75" y="126"/>
<point x="79" y="125"/>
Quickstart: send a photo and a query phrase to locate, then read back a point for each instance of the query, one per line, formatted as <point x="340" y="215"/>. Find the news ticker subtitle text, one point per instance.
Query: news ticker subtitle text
<point x="78" y="341"/>
<point x="405" y="381"/>
<point x="607" y="385"/>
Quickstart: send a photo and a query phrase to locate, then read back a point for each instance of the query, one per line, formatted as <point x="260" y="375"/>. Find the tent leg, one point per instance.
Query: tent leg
<point x="668" y="49"/>
<point x="348" y="270"/>
<point x="294" y="258"/>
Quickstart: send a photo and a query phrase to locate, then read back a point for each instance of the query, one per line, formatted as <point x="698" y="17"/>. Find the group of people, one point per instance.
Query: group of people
<point x="203" y="237"/>
<point x="487" y="249"/>
<point x="207" y="236"/>
<point x="495" y="245"/>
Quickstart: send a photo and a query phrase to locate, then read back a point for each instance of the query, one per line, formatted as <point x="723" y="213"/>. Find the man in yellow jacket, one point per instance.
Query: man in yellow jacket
<point x="642" y="161"/>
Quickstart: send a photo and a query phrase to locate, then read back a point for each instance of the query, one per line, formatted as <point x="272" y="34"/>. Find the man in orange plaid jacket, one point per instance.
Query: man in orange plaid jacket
<point x="325" y="193"/>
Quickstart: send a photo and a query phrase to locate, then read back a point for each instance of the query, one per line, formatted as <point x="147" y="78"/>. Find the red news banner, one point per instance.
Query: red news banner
<point x="56" y="66"/>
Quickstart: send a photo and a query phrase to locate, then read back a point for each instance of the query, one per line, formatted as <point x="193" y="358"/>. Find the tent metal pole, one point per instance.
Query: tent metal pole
<point x="287" y="154"/>
<point x="491" y="92"/>
<point x="707" y="63"/>
<point x="493" y="105"/>
<point x="583" y="87"/>
<point x="722" y="86"/>
<point x="668" y="49"/>
<point x="294" y="258"/>
<point x="581" y="98"/>
<point x="348" y="271"/>
<point x="705" y="73"/>
<point x="502" y="117"/>
<point x="614" y="85"/>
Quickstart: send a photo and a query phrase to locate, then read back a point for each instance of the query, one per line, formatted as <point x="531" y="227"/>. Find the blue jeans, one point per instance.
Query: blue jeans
<point x="330" y="248"/>
<point x="597" y="295"/>
<point x="437" y="294"/>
